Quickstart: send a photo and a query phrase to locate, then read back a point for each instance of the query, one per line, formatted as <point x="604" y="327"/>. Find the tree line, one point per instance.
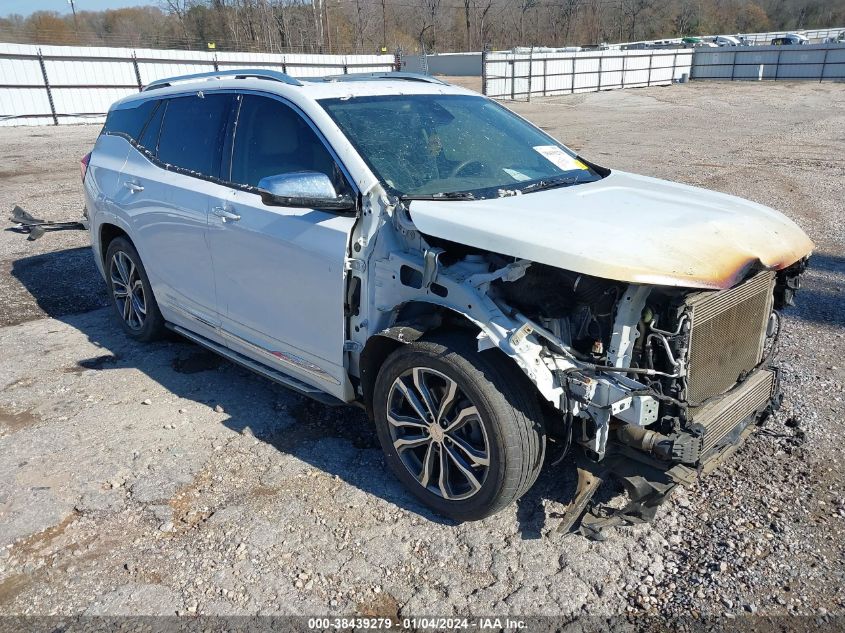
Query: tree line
<point x="367" y="26"/>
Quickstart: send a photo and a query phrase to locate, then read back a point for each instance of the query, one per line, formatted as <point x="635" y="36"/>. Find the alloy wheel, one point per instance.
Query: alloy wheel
<point x="438" y="433"/>
<point x="128" y="290"/>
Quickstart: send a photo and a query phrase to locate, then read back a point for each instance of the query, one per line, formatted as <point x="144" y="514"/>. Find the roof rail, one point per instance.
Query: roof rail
<point x="243" y="73"/>
<point x="402" y="76"/>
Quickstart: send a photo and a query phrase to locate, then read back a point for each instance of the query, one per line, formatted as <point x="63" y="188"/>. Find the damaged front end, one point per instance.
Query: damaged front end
<point x="660" y="384"/>
<point x="653" y="385"/>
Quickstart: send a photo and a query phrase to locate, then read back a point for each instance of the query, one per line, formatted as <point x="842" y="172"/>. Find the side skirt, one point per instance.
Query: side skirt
<point x="267" y="372"/>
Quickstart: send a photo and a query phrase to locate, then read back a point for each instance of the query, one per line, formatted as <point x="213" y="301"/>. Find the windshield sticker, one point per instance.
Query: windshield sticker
<point x="558" y="157"/>
<point x="516" y="175"/>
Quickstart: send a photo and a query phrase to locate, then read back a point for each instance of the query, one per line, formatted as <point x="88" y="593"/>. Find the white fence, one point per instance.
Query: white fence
<point x="52" y="85"/>
<point x="522" y="75"/>
<point x="814" y="35"/>
<point x="816" y="62"/>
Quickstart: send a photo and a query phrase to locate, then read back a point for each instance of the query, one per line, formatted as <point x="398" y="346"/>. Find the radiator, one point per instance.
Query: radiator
<point x="722" y="415"/>
<point x="727" y="335"/>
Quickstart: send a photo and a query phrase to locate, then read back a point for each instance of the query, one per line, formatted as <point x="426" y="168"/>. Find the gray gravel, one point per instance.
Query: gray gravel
<point x="158" y="479"/>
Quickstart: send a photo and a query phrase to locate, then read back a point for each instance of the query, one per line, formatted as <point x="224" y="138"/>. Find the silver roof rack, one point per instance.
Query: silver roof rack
<point x="402" y="76"/>
<point x="243" y="73"/>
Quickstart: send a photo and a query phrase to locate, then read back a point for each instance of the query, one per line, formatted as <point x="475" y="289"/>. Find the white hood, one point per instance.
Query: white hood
<point x="627" y="228"/>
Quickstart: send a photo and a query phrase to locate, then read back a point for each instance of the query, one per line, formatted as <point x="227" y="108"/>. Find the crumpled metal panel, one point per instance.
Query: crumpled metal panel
<point x="627" y="228"/>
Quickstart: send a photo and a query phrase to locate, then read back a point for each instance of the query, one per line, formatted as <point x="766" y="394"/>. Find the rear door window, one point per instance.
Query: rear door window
<point x="192" y="132"/>
<point x="129" y="121"/>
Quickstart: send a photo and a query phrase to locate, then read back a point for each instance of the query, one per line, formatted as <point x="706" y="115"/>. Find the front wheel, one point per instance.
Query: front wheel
<point x="461" y="429"/>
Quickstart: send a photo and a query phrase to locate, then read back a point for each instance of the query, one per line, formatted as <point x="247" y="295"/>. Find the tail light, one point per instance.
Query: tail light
<point x="83" y="165"/>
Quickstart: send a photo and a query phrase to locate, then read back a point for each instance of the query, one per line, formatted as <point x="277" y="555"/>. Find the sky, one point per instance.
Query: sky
<point x="25" y="7"/>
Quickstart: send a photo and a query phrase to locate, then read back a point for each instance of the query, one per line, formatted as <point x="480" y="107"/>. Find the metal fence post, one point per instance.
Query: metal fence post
<point x="530" y="71"/>
<point x="824" y="63"/>
<point x="484" y="70"/>
<point x="47" y="87"/>
<point x="137" y="71"/>
<point x="397" y="59"/>
<point x="572" y="83"/>
<point x="674" y="66"/>
<point x="545" y="74"/>
<point x="512" y="65"/>
<point x="650" y="66"/>
<point x="777" y="64"/>
<point x="214" y="61"/>
<point x="601" y="57"/>
<point x="624" y="59"/>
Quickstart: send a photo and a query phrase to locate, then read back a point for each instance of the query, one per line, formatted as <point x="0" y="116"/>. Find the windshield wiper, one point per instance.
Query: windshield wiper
<point x="550" y="183"/>
<point x="442" y="195"/>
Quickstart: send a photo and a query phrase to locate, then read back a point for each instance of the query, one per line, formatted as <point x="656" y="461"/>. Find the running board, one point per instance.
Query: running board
<point x="271" y="374"/>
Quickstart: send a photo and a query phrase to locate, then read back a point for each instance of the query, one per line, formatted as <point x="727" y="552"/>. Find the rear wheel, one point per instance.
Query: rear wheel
<point x="461" y="429"/>
<point x="131" y="294"/>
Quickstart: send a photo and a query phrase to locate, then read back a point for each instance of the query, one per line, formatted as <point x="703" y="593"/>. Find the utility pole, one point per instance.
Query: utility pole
<point x="328" y="27"/>
<point x="621" y="18"/>
<point x="73" y="9"/>
<point x="383" y="26"/>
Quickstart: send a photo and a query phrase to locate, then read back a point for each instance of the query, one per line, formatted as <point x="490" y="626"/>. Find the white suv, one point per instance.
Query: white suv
<point x="411" y="246"/>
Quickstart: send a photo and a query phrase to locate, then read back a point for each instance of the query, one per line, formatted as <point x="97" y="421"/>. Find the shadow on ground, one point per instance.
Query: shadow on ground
<point x="61" y="285"/>
<point x="65" y="285"/>
<point x="54" y="284"/>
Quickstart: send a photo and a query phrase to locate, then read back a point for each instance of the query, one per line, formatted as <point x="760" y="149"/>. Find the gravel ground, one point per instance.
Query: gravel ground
<point x="158" y="479"/>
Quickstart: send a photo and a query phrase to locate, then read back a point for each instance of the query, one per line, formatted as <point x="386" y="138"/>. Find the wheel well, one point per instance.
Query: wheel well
<point x="413" y="321"/>
<point x="107" y="233"/>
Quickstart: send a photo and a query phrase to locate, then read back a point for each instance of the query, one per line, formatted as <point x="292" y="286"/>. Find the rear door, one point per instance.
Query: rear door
<point x="102" y="183"/>
<point x="168" y="191"/>
<point x="280" y="270"/>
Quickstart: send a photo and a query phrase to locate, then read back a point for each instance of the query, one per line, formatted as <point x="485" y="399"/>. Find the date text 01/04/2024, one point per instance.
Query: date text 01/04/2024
<point x="425" y="623"/>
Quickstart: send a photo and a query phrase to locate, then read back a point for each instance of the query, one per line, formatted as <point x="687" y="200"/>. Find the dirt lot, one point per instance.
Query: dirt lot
<point x="158" y="479"/>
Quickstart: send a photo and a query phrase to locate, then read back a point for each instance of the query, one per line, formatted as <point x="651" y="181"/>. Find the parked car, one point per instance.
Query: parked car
<point x="413" y="247"/>
<point x="726" y="40"/>
<point x="696" y="42"/>
<point x="789" y="39"/>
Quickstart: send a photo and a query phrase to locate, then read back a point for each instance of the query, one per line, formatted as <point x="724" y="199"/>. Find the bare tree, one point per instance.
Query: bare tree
<point x="633" y="9"/>
<point x="568" y="12"/>
<point x="524" y="7"/>
<point x="482" y="9"/>
<point x="467" y="5"/>
<point x="179" y="8"/>
<point x="685" y="18"/>
<point x="431" y="10"/>
<point x="317" y="7"/>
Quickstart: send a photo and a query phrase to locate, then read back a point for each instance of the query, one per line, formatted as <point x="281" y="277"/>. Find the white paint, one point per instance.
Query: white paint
<point x="112" y="73"/>
<point x="625" y="227"/>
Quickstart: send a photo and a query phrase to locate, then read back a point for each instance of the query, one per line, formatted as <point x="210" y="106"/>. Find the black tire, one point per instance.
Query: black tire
<point x="509" y="421"/>
<point x="151" y="327"/>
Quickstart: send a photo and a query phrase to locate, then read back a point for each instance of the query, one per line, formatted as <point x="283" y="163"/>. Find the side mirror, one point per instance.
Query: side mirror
<point x="305" y="189"/>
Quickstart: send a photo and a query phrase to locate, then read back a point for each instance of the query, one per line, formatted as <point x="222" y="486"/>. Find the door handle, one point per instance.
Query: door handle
<point x="225" y="214"/>
<point x="133" y="187"/>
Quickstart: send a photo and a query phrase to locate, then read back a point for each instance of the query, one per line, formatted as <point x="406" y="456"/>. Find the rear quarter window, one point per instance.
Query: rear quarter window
<point x="149" y="136"/>
<point x="130" y="121"/>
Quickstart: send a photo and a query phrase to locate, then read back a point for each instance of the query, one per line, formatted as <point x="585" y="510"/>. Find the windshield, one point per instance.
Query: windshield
<point x="433" y="145"/>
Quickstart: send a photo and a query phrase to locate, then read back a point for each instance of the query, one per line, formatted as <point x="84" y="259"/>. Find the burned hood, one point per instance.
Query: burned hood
<point x="627" y="228"/>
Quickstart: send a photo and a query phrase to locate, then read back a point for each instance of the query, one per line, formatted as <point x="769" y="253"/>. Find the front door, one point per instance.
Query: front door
<point x="279" y="270"/>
